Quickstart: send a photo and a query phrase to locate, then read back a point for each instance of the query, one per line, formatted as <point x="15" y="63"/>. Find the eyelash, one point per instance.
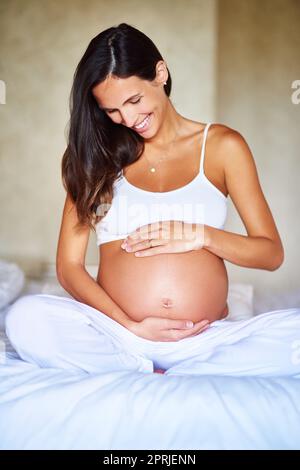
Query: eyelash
<point x="132" y="102"/>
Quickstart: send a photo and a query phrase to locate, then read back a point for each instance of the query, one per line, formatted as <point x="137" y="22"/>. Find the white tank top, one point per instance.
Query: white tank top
<point x="199" y="202"/>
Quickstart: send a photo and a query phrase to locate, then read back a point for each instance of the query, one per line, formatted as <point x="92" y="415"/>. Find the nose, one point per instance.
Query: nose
<point x="128" y="119"/>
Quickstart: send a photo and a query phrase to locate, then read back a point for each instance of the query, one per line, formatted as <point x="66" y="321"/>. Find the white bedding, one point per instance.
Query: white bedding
<point x="56" y="409"/>
<point x="47" y="408"/>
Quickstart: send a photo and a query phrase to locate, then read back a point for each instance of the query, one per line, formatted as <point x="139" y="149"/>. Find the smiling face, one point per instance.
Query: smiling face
<point x="130" y="101"/>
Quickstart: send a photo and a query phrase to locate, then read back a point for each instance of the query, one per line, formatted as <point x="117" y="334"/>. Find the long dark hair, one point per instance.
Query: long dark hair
<point x="97" y="148"/>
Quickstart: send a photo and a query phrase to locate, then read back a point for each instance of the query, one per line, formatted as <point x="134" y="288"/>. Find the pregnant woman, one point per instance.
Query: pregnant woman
<point x="154" y="186"/>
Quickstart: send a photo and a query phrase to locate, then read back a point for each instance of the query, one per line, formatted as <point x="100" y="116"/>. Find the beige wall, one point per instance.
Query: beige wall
<point x="40" y="46"/>
<point x="232" y="61"/>
<point x="258" y="59"/>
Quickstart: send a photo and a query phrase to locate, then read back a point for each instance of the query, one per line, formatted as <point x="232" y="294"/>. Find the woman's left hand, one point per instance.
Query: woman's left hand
<point x="169" y="236"/>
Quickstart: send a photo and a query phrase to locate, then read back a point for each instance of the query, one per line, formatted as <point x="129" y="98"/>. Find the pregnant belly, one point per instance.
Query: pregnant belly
<point x="191" y="285"/>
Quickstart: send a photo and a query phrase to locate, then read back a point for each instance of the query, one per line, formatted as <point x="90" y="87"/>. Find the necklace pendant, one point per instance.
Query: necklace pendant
<point x="153" y="170"/>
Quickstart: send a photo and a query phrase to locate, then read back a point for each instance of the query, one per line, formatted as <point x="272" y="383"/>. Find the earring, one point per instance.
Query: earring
<point x="165" y="83"/>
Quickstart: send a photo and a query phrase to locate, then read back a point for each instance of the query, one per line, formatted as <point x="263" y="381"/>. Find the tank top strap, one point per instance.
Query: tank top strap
<point x="203" y="148"/>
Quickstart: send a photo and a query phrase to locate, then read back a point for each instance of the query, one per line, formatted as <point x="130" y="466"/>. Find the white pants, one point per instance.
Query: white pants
<point x="54" y="331"/>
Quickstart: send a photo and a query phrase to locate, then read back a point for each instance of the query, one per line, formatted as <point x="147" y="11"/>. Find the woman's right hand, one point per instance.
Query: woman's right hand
<point x="166" y="329"/>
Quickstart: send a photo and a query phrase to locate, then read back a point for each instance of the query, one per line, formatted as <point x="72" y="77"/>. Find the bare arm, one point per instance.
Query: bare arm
<point x="262" y="247"/>
<point x="71" y="272"/>
<point x="243" y="250"/>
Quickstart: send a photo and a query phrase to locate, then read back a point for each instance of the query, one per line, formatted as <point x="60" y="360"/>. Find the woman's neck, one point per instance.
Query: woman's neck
<point x="171" y="127"/>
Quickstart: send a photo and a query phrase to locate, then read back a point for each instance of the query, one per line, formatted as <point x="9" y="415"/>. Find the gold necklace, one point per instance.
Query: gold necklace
<point x="153" y="168"/>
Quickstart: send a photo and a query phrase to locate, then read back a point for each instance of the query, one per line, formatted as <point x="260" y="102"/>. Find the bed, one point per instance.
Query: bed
<point x="47" y="408"/>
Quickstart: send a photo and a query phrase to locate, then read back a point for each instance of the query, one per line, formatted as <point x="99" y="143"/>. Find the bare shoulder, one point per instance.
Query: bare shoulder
<point x="223" y="138"/>
<point x="230" y="150"/>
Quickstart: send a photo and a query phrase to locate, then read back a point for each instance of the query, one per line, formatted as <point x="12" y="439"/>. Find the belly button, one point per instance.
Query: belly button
<point x="167" y="303"/>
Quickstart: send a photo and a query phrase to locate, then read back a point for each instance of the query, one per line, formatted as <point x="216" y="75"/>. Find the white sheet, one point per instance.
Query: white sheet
<point x="56" y="409"/>
<point x="49" y="408"/>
